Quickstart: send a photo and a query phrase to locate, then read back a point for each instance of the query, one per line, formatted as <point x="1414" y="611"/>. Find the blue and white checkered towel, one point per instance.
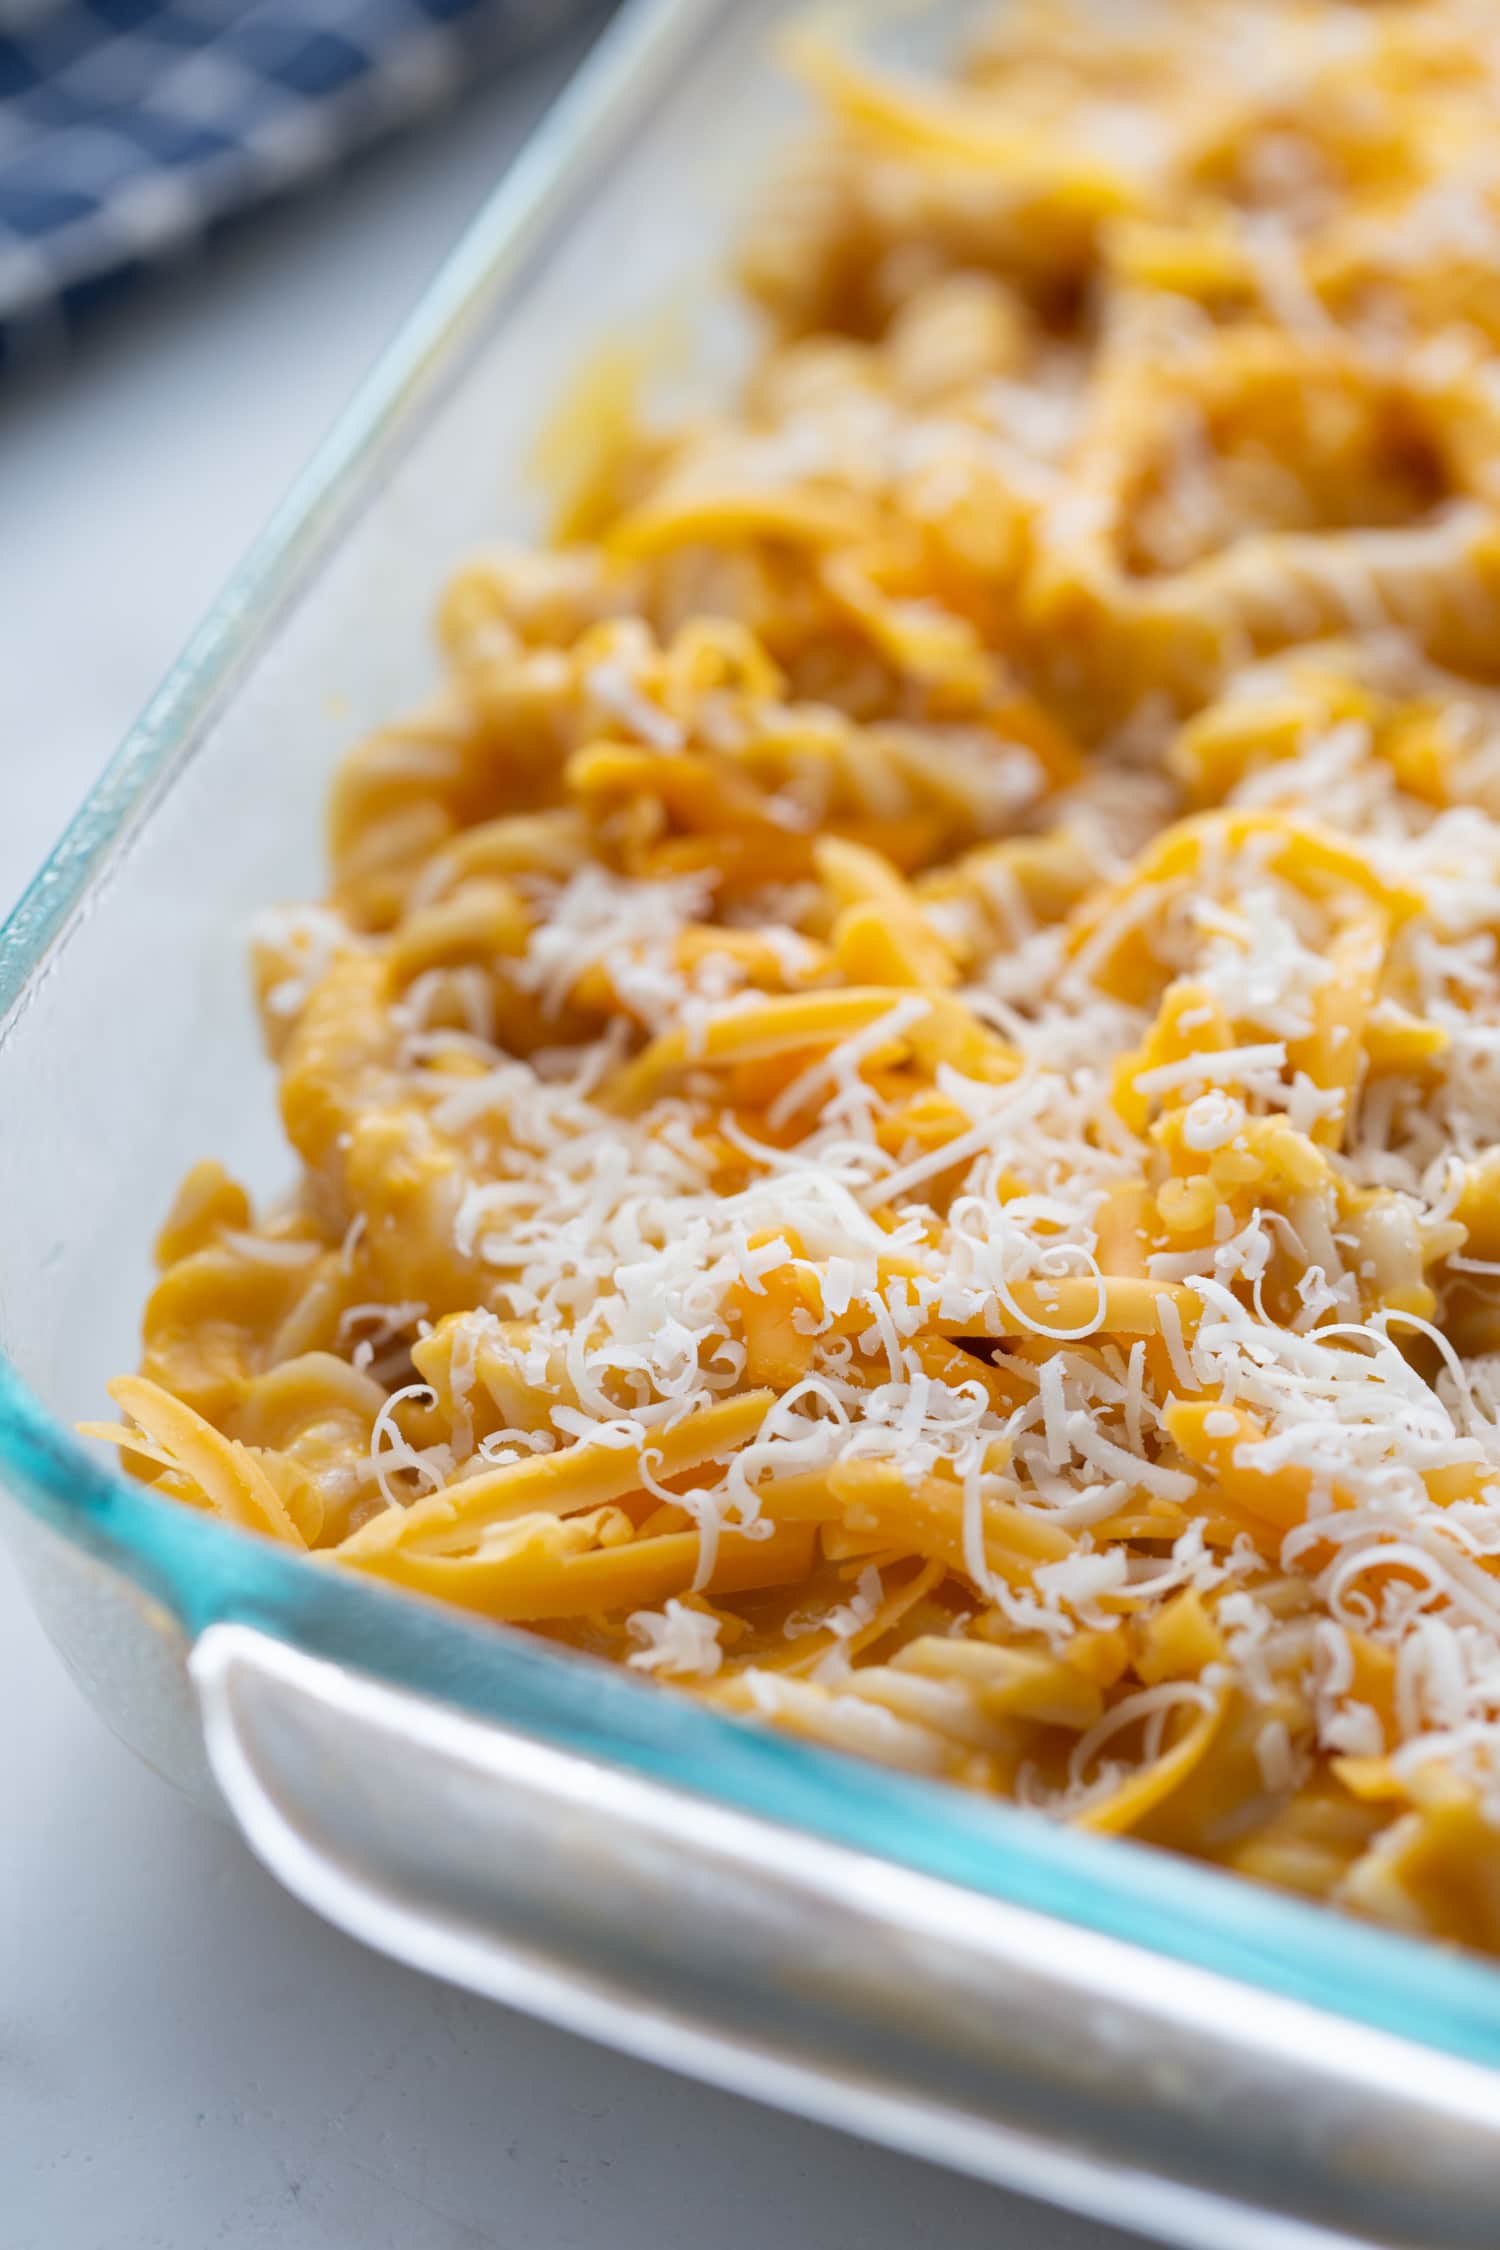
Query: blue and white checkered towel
<point x="130" y="128"/>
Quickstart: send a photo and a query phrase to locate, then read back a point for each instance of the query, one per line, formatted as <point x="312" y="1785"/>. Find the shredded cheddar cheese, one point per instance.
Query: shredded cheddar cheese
<point x="898" y="1092"/>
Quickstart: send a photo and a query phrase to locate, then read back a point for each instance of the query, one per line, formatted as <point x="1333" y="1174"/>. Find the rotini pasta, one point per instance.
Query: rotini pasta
<point x="898" y="1093"/>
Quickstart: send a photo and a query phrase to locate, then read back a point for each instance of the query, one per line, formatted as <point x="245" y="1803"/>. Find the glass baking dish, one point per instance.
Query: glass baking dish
<point x="1128" y="2034"/>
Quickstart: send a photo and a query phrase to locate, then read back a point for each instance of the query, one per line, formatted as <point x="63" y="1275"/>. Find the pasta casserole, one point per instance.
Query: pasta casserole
<point x="897" y="1093"/>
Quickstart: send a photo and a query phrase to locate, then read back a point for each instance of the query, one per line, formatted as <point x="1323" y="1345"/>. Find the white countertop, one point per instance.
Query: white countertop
<point x="187" y="2058"/>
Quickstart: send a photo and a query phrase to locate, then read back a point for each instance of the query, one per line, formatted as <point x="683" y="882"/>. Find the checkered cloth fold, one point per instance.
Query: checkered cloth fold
<point x="130" y="128"/>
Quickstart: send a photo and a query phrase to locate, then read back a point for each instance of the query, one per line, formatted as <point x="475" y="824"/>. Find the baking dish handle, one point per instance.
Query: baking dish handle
<point x="839" y="1985"/>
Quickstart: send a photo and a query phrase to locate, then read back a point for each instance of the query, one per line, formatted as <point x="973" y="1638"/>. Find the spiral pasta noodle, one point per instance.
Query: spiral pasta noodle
<point x="897" y="1094"/>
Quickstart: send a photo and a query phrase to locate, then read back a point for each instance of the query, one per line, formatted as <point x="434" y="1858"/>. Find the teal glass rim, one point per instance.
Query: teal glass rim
<point x="203" y="1572"/>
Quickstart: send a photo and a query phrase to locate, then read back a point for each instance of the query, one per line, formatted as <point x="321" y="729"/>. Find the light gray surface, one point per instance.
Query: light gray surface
<point x="187" y="2058"/>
